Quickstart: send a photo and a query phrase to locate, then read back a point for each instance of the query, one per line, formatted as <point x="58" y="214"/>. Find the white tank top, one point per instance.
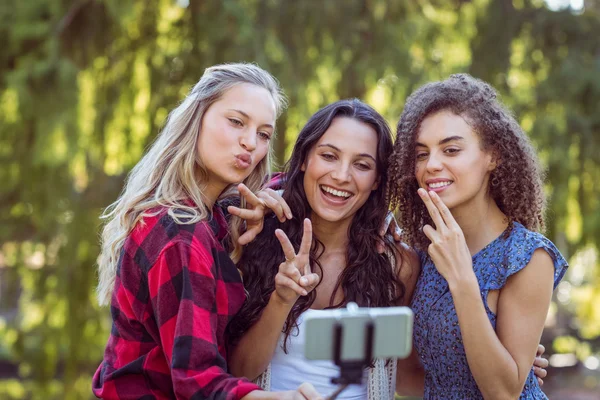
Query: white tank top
<point x="288" y="371"/>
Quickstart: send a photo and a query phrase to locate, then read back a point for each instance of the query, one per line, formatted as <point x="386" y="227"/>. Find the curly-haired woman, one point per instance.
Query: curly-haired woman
<point x="170" y="282"/>
<point x="469" y="190"/>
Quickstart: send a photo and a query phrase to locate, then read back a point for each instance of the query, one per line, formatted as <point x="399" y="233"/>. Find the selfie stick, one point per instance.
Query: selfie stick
<point x="351" y="372"/>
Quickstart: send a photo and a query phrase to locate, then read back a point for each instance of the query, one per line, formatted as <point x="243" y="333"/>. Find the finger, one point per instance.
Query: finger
<point x="248" y="236"/>
<point x="432" y="209"/>
<point x="444" y="210"/>
<point x="540" y="372"/>
<point x="249" y="196"/>
<point x="286" y="208"/>
<point x="540" y="350"/>
<point x="398" y="235"/>
<point x="540" y="381"/>
<point x="306" y="238"/>
<point x="386" y="223"/>
<point x="274" y="205"/>
<point x="309" y="391"/>
<point x="244" y="213"/>
<point x="281" y="280"/>
<point x="309" y="281"/>
<point x="431" y="233"/>
<point x="290" y="270"/>
<point x="540" y="362"/>
<point x="286" y="245"/>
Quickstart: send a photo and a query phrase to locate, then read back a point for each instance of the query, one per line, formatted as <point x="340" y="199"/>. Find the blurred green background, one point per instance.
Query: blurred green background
<point x="86" y="85"/>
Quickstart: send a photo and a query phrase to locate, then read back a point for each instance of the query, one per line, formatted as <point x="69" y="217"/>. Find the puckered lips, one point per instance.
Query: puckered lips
<point x="335" y="196"/>
<point x="243" y="160"/>
<point x="438" y="184"/>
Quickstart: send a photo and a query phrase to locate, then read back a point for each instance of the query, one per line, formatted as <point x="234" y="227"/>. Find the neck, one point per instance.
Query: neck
<point x="334" y="235"/>
<point x="211" y="193"/>
<point x="481" y="222"/>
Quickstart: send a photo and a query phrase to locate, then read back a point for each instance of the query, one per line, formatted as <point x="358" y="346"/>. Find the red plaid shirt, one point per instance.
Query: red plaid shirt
<point x="176" y="290"/>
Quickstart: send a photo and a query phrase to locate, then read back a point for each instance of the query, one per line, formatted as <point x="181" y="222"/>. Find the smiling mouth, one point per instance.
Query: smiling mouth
<point x="338" y="194"/>
<point x="439" y="185"/>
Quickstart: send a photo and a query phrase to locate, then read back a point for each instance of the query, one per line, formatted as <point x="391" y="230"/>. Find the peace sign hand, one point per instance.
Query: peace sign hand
<point x="295" y="277"/>
<point x="448" y="249"/>
<point x="254" y="214"/>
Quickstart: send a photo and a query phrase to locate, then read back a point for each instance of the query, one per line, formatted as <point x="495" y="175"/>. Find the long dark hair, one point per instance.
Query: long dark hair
<point x="369" y="278"/>
<point x="516" y="184"/>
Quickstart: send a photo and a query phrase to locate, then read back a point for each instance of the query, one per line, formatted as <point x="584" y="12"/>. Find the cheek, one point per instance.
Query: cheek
<point x="261" y="151"/>
<point x="368" y="181"/>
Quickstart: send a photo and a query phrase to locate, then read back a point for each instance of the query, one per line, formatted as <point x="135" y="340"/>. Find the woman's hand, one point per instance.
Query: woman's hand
<point x="273" y="199"/>
<point x="306" y="391"/>
<point x="295" y="277"/>
<point x="540" y="364"/>
<point x="448" y="249"/>
<point x="389" y="227"/>
<point x="258" y="206"/>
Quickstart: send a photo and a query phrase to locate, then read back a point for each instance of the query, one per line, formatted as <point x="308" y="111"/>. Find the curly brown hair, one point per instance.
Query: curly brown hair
<point x="516" y="184"/>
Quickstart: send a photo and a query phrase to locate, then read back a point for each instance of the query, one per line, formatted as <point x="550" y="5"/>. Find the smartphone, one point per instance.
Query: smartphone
<point x="391" y="332"/>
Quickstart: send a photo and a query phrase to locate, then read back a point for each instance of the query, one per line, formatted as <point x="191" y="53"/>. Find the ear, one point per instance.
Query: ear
<point x="303" y="167"/>
<point x="376" y="184"/>
<point x="493" y="162"/>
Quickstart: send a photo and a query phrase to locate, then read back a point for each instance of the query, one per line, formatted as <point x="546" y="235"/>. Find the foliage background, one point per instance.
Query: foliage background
<point x="85" y="86"/>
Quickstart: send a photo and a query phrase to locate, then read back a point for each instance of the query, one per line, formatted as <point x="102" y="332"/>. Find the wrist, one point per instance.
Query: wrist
<point x="278" y="301"/>
<point x="463" y="283"/>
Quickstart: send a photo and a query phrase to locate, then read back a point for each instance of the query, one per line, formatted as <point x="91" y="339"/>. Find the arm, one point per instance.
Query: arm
<point x="501" y="360"/>
<point x="410" y="375"/>
<point x="251" y="356"/>
<point x="184" y="303"/>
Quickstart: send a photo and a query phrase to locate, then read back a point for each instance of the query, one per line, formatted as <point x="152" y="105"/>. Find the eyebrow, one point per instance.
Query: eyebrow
<point x="445" y="140"/>
<point x="248" y="117"/>
<point x="337" y="149"/>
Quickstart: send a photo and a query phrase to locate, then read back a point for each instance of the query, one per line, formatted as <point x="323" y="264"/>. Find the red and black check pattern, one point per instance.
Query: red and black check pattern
<point x="175" y="292"/>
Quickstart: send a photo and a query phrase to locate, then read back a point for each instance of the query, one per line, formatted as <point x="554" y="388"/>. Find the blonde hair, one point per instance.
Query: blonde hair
<point x="171" y="173"/>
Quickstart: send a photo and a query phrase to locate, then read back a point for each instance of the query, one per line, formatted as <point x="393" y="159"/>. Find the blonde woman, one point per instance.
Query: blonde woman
<point x="171" y="284"/>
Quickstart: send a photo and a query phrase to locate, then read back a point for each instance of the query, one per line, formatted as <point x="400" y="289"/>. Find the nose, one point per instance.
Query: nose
<point x="434" y="163"/>
<point x="341" y="172"/>
<point x="248" y="139"/>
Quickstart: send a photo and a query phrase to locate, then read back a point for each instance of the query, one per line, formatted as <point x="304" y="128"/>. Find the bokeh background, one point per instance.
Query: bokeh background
<point x="86" y="85"/>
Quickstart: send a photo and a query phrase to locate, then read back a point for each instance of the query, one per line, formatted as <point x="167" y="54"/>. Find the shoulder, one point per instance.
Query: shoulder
<point x="161" y="230"/>
<point x="525" y="248"/>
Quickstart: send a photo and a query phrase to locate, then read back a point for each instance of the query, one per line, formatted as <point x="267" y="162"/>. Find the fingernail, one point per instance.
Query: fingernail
<point x="303" y="281"/>
<point x="289" y="215"/>
<point x="304" y="293"/>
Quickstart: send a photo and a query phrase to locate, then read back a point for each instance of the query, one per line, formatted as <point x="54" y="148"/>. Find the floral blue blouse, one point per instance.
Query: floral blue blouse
<point x="437" y="336"/>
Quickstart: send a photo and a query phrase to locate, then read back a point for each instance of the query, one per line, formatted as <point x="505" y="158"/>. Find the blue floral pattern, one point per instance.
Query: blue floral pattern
<point x="437" y="336"/>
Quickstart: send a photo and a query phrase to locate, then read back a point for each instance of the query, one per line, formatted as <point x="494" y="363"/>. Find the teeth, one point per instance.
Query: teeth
<point x="334" y="192"/>
<point x="439" y="184"/>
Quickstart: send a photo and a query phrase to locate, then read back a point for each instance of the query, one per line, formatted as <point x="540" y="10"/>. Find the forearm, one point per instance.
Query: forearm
<point x="496" y="372"/>
<point x="262" y="395"/>
<point x="255" y="349"/>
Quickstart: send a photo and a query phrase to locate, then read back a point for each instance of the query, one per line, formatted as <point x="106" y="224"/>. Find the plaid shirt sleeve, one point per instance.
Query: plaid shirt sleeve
<point x="185" y="295"/>
<point x="175" y="293"/>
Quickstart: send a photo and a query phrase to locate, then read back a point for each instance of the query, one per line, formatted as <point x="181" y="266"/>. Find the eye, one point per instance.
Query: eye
<point x="363" y="166"/>
<point x="452" y="150"/>
<point x="328" y="156"/>
<point x="264" y="135"/>
<point x="421" y="156"/>
<point x="235" y="121"/>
